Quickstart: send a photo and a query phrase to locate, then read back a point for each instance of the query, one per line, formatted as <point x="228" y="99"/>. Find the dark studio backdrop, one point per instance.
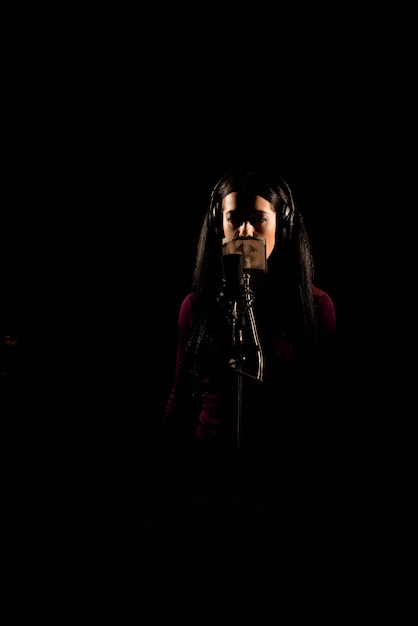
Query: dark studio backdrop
<point x="114" y="130"/>
<point x="108" y="173"/>
<point x="96" y="267"/>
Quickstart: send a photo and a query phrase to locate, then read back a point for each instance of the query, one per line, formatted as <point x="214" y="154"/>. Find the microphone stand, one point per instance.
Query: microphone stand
<point x="239" y="316"/>
<point x="241" y="255"/>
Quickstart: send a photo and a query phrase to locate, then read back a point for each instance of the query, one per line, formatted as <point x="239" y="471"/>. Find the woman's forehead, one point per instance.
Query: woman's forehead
<point x="245" y="202"/>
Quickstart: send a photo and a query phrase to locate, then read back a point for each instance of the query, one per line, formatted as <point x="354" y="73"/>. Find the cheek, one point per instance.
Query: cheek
<point x="270" y="242"/>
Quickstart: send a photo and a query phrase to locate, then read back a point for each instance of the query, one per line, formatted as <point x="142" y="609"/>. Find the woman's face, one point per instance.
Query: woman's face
<point x="244" y="217"/>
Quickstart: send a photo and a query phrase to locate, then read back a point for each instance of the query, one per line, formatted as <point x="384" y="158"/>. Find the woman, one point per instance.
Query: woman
<point x="243" y="423"/>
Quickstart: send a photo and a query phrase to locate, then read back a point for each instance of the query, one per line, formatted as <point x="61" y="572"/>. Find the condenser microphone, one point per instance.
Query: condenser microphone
<point x="252" y="251"/>
<point x="241" y="255"/>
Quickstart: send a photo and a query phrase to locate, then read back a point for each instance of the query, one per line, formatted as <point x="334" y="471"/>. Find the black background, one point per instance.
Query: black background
<point x="115" y="126"/>
<point x="98" y="254"/>
<point x="110" y="153"/>
<point x="99" y="240"/>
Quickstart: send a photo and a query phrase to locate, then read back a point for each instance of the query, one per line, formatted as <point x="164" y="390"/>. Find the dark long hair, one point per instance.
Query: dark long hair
<point x="289" y="277"/>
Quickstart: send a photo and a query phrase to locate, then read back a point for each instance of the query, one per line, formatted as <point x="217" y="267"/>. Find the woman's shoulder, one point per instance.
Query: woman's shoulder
<point x="190" y="297"/>
<point x="319" y="293"/>
<point x="188" y="301"/>
<point x="321" y="297"/>
<point x="187" y="309"/>
<point x="325" y="310"/>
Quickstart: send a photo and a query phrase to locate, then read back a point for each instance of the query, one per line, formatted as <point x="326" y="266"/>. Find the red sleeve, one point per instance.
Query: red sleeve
<point x="325" y="314"/>
<point x="185" y="319"/>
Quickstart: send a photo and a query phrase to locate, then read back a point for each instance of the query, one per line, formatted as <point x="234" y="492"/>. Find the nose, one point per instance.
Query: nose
<point x="246" y="229"/>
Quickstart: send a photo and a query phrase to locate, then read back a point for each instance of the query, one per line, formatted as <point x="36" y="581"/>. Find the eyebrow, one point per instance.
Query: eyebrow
<point x="244" y="211"/>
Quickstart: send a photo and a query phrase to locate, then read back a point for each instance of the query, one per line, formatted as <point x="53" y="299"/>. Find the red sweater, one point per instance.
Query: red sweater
<point x="215" y="415"/>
